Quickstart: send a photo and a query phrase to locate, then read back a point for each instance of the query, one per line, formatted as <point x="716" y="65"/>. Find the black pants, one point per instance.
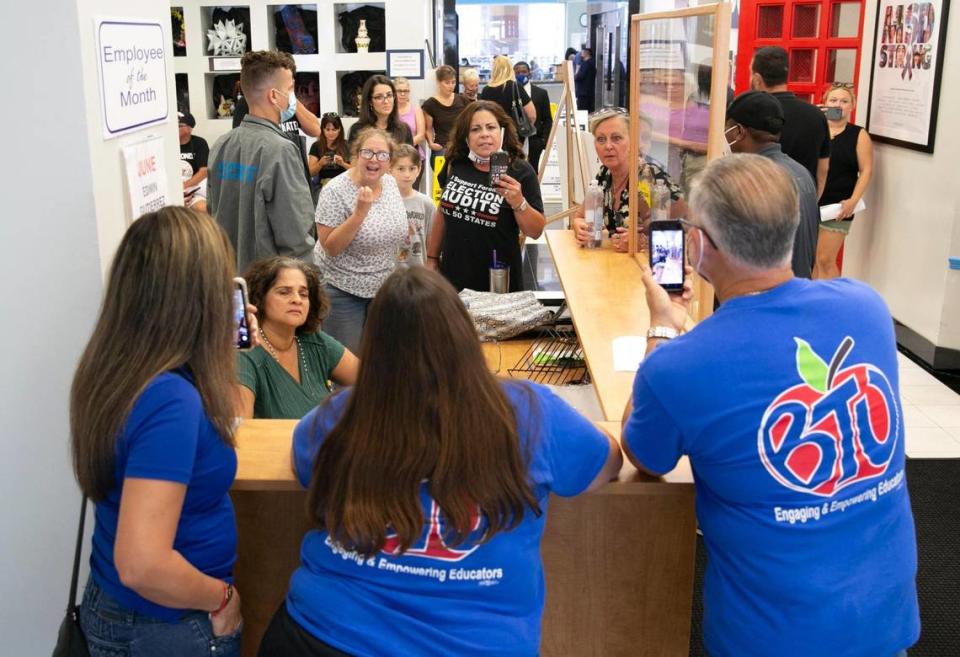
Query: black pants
<point x="285" y="637"/>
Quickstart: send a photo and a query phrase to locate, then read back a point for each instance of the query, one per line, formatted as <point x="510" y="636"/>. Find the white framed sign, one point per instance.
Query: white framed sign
<point x="146" y="176"/>
<point x="907" y="68"/>
<point x="405" y="64"/>
<point x="131" y="61"/>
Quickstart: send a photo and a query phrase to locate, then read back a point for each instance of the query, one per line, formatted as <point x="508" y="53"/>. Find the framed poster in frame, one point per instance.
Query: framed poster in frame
<point x="909" y="40"/>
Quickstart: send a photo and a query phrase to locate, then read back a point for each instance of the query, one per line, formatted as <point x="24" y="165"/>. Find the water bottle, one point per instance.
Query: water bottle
<point x="660" y="206"/>
<point x="593" y="215"/>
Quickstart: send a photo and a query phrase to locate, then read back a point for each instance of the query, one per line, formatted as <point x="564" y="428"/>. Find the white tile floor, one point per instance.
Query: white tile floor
<point x="931" y="413"/>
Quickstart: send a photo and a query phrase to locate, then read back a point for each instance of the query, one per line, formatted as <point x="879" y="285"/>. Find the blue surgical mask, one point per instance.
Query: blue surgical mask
<point x="522" y="80"/>
<point x="287" y="113"/>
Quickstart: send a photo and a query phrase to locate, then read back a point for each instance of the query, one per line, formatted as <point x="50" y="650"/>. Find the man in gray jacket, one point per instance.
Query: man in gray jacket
<point x="754" y="122"/>
<point x="256" y="189"/>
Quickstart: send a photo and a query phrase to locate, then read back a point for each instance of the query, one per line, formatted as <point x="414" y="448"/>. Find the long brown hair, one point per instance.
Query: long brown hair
<point x="459" y="149"/>
<point x="168" y="303"/>
<point x="424" y="407"/>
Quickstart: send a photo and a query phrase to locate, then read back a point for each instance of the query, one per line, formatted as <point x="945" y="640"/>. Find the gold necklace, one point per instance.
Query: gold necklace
<point x="273" y="350"/>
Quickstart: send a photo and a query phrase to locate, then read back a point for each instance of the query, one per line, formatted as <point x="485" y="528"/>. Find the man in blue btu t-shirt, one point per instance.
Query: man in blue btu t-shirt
<point x="786" y="401"/>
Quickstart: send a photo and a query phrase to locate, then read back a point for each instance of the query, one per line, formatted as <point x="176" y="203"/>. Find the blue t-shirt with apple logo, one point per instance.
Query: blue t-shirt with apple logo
<point x="787" y="404"/>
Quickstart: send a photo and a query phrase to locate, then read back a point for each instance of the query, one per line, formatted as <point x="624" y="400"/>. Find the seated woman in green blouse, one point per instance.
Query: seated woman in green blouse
<point x="287" y="375"/>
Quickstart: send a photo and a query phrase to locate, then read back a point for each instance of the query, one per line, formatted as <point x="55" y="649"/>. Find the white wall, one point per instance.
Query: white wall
<point x="49" y="261"/>
<point x="64" y="213"/>
<point x="901" y="243"/>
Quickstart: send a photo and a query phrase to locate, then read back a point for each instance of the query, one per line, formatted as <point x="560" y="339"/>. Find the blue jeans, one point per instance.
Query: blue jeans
<point x="115" y="631"/>
<point x="346" y="318"/>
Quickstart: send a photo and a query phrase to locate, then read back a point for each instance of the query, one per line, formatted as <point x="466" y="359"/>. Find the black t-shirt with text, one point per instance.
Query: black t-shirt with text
<point x="478" y="221"/>
<point x="196" y="152"/>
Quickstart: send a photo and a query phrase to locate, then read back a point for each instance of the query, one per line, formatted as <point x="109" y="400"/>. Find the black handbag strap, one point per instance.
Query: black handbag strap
<point x="76" y="556"/>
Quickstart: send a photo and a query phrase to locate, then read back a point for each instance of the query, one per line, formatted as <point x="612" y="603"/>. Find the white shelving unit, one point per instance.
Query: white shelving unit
<point x="408" y="26"/>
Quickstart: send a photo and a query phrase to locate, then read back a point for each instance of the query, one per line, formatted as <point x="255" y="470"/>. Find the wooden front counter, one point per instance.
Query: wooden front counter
<point x="618" y="562"/>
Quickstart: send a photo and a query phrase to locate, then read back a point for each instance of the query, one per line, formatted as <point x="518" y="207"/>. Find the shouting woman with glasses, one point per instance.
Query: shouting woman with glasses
<point x="361" y="222"/>
<point x="378" y="109"/>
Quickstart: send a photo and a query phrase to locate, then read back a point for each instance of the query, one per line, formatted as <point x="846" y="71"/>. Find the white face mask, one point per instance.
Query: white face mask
<point x="727" y="146"/>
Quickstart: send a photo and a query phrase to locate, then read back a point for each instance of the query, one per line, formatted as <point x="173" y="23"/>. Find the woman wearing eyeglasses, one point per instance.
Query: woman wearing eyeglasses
<point x="851" y="167"/>
<point x="378" y="109"/>
<point x="361" y="222"/>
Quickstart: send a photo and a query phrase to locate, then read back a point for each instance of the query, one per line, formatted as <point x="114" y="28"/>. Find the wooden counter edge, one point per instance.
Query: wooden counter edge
<point x="264" y="464"/>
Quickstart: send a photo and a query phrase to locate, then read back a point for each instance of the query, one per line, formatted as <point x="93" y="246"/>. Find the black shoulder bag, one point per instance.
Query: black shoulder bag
<point x="70" y="639"/>
<point x="524" y="127"/>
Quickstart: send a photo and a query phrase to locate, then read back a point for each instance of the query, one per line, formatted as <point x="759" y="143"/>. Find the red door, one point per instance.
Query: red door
<point x="822" y="39"/>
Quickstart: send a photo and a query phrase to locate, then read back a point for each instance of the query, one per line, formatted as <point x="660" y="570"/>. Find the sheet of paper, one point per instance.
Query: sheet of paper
<point x="628" y="351"/>
<point x="832" y="211"/>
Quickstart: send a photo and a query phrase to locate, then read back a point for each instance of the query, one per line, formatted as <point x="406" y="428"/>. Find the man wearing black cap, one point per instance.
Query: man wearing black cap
<point x="194" y="153"/>
<point x="754" y="122"/>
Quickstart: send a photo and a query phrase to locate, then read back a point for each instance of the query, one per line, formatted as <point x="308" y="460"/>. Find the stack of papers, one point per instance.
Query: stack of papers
<point x="832" y="211"/>
<point x="628" y="351"/>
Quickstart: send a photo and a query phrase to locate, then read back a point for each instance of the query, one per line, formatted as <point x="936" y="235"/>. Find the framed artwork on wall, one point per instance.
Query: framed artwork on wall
<point x="905" y="73"/>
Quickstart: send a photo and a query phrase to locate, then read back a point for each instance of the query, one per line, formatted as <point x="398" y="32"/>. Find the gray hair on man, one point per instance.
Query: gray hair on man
<point x="469" y="75"/>
<point x="748" y="205"/>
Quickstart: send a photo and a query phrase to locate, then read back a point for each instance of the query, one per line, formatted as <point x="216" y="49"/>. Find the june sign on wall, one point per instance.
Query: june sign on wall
<point x="131" y="60"/>
<point x="907" y="66"/>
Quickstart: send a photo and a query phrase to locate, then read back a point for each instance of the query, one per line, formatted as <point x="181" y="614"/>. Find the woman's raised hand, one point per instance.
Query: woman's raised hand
<point x="364" y="201"/>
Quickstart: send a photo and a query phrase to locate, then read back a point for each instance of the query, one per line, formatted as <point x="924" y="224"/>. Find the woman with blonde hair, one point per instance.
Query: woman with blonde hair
<point x="428" y="489"/>
<point x="504" y="90"/>
<point x="412" y="115"/>
<point x="851" y="167"/>
<point x="151" y="418"/>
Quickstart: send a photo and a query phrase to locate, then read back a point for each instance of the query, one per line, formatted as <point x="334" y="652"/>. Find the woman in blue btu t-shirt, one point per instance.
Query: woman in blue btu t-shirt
<point x="151" y="414"/>
<point x="428" y="485"/>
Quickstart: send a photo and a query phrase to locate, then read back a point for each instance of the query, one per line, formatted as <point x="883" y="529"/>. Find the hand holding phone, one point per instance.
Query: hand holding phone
<point x="243" y="338"/>
<point x="667" y="249"/>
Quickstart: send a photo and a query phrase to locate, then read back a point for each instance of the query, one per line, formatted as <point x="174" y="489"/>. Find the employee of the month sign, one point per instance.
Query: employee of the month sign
<point x="133" y="74"/>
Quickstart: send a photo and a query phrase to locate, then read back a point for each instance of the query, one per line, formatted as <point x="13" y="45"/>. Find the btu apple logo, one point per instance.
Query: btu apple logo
<point x="838" y="427"/>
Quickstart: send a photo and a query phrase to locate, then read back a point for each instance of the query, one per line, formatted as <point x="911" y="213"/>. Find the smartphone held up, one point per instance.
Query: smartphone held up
<point x="667" y="248"/>
<point x="242" y="339"/>
<point x="499" y="163"/>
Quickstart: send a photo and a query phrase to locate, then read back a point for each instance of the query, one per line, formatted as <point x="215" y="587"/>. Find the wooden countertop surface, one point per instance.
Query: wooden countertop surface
<point x="263" y="455"/>
<point x="604" y="291"/>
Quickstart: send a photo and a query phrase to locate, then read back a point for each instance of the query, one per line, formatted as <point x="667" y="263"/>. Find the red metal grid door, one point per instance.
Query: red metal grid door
<point x="822" y="38"/>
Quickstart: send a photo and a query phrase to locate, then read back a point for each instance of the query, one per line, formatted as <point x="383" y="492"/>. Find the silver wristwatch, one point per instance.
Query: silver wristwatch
<point x="662" y="332"/>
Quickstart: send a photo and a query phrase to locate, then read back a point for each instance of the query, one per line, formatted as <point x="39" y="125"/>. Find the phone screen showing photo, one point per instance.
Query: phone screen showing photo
<point x="667" y="254"/>
<point x="240" y="323"/>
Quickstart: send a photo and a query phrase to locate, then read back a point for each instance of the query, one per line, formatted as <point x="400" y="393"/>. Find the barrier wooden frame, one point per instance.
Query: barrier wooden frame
<point x="702" y="305"/>
<point x="568" y="105"/>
